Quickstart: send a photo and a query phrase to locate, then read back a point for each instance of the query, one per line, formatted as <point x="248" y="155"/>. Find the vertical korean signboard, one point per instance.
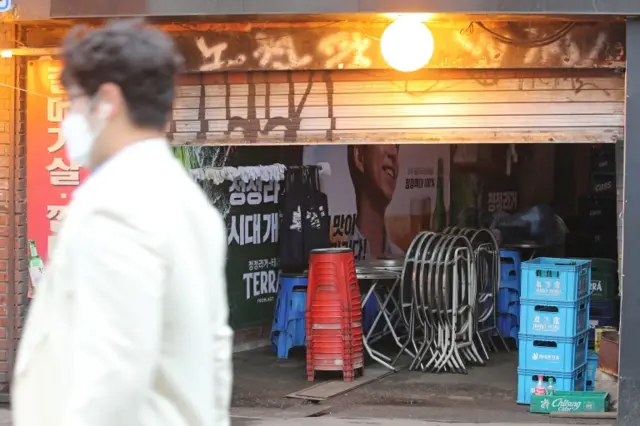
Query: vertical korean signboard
<point x="250" y="208"/>
<point x="253" y="262"/>
<point x="51" y="178"/>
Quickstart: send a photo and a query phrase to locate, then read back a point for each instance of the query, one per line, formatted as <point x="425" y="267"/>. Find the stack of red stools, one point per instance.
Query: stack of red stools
<point x="333" y="314"/>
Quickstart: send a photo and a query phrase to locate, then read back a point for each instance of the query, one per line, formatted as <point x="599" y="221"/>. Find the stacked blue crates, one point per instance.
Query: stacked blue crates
<point x="509" y="295"/>
<point x="554" y="324"/>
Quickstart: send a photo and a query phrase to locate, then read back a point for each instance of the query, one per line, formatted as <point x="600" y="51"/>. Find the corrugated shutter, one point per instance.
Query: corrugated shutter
<point x="431" y="106"/>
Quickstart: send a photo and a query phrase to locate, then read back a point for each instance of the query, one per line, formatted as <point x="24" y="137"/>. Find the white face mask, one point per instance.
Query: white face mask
<point x="79" y="138"/>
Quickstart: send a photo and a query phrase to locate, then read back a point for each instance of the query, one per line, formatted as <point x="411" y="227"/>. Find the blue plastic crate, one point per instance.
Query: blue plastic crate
<point x="527" y="380"/>
<point x="510" y="269"/>
<point x="508" y="326"/>
<point x="600" y="322"/>
<point x="288" y="328"/>
<point x="592" y="368"/>
<point x="552" y="354"/>
<point x="511" y="283"/>
<point x="557" y="319"/>
<point x="557" y="280"/>
<point x="369" y="314"/>
<point x="508" y="302"/>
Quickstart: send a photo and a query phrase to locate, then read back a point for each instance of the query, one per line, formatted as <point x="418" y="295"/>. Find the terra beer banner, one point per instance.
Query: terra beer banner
<point x="252" y="259"/>
<point x="250" y="208"/>
<point x="381" y="196"/>
<point x="50" y="177"/>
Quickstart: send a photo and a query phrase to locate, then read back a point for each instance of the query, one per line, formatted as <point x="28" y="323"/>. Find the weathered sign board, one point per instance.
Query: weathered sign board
<point x="339" y="45"/>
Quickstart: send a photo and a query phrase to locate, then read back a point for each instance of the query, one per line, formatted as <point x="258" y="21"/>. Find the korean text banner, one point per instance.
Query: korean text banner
<point x="381" y="196"/>
<point x="50" y="177"/>
<point x="252" y="257"/>
<point x="250" y="208"/>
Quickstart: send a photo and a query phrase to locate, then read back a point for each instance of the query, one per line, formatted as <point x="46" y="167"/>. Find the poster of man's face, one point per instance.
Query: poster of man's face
<point x="375" y="170"/>
<point x="380" y="196"/>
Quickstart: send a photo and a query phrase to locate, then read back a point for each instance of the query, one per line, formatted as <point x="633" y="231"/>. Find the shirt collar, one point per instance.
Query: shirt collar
<point x="131" y="149"/>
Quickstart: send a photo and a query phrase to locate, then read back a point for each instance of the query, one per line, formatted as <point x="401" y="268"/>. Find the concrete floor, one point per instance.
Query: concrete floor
<point x="406" y="398"/>
<point x="485" y="395"/>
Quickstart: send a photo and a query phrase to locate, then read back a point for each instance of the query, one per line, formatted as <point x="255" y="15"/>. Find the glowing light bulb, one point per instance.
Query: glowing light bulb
<point x="407" y="44"/>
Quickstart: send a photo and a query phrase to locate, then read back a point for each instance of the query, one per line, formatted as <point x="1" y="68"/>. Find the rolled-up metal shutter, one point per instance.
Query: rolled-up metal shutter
<point x="430" y="106"/>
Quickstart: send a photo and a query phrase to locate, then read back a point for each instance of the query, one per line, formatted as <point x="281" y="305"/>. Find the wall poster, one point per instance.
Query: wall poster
<point x="381" y="196"/>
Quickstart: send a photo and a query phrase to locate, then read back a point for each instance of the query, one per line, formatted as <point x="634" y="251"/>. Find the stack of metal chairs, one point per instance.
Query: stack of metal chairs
<point x="448" y="294"/>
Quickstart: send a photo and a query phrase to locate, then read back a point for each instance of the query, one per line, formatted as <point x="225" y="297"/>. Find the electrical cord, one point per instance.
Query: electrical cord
<point x="564" y="30"/>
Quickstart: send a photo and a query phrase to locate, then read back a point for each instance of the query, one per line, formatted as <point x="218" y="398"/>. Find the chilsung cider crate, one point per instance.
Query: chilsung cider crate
<point x="570" y="402"/>
<point x="554" y="319"/>
<point x="561" y="354"/>
<point x="557" y="280"/>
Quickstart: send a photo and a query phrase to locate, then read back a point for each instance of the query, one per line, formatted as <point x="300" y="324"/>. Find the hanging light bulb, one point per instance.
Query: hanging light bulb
<point x="407" y="44"/>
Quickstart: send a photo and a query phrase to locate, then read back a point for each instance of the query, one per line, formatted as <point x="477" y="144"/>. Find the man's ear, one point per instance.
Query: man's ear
<point x="111" y="100"/>
<point x="358" y="158"/>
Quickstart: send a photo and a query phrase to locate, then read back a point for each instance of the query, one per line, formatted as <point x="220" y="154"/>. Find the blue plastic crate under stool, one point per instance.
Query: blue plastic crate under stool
<point x="571" y="381"/>
<point x="288" y="329"/>
<point x="600" y="322"/>
<point x="562" y="354"/>
<point x="508" y="326"/>
<point x="510" y="270"/>
<point x="557" y="280"/>
<point x="369" y="313"/>
<point x="592" y="369"/>
<point x="508" y="302"/>
<point x="554" y="319"/>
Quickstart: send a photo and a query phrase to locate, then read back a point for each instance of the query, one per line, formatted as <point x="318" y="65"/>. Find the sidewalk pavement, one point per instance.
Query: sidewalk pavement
<point x="331" y="421"/>
<point x="5" y="420"/>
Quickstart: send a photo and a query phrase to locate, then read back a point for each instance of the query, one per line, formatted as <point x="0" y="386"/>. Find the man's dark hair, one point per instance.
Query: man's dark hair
<point x="141" y="60"/>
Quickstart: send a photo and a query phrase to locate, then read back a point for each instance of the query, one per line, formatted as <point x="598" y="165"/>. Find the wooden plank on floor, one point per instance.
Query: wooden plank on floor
<point x="326" y="390"/>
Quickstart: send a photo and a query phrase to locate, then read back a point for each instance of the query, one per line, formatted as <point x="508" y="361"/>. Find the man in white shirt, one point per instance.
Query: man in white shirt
<point x="130" y="323"/>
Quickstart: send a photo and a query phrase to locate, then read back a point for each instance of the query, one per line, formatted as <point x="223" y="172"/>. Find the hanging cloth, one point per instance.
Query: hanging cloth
<point x="316" y="222"/>
<point x="293" y="257"/>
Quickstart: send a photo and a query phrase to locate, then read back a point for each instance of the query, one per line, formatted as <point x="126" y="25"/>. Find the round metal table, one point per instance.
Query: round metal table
<point x="380" y="279"/>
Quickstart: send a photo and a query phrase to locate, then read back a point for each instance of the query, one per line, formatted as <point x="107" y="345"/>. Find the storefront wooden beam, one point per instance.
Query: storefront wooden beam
<point x="44" y="9"/>
<point x="340" y="45"/>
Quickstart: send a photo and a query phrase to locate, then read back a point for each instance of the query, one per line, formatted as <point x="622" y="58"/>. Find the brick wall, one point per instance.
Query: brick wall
<point x="13" y="266"/>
